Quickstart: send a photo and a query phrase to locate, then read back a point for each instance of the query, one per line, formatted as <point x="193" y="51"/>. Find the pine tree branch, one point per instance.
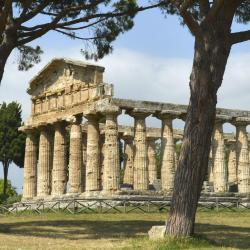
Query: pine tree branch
<point x="39" y="30"/>
<point x="204" y="7"/>
<point x="4" y="14"/>
<point x="193" y="26"/>
<point x="214" y="10"/>
<point x="239" y="37"/>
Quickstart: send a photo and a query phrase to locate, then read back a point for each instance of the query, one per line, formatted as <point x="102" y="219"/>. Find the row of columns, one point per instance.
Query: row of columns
<point x="237" y="171"/>
<point x="89" y="172"/>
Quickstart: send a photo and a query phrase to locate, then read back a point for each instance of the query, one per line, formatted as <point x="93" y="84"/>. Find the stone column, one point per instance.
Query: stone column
<point x="219" y="163"/>
<point x="210" y="166"/>
<point x="242" y="157"/>
<point x="167" y="153"/>
<point x="102" y="153"/>
<point x="128" y="160"/>
<point x="84" y="160"/>
<point x="232" y="164"/>
<point x="30" y="166"/>
<point x="141" y="181"/>
<point x="93" y="154"/>
<point x="152" y="167"/>
<point x="111" y="171"/>
<point x="45" y="162"/>
<point x="59" y="174"/>
<point x="75" y="157"/>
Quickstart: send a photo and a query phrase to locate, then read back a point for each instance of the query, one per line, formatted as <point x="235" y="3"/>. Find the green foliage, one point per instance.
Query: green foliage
<point x="97" y="23"/>
<point x="11" y="195"/>
<point x="12" y="141"/>
<point x="11" y="191"/>
<point x="28" y="57"/>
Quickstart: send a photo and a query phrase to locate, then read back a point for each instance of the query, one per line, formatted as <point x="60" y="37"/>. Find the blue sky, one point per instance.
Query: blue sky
<point x="151" y="62"/>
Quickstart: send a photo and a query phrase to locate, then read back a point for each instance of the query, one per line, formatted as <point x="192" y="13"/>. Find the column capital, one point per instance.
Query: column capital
<point x="169" y="114"/>
<point x="45" y="127"/>
<point x="139" y="113"/>
<point x="28" y="130"/>
<point x="241" y="121"/>
<point x="221" y="119"/>
<point x="91" y="116"/>
<point x="74" y="119"/>
<point x="60" y="124"/>
<point x="110" y="110"/>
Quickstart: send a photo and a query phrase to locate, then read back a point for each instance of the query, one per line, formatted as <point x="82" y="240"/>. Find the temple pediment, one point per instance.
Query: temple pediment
<point x="64" y="83"/>
<point x="62" y="74"/>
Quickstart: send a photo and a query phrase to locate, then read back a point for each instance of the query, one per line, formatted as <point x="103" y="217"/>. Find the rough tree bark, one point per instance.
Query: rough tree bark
<point x="210" y="58"/>
<point x="5" y="52"/>
<point x="5" y="177"/>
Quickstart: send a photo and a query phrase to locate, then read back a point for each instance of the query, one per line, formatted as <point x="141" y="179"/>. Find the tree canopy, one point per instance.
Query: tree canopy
<point x="96" y="22"/>
<point x="12" y="141"/>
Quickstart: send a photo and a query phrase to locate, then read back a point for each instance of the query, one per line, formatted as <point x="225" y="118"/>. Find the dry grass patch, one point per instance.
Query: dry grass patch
<point x="223" y="230"/>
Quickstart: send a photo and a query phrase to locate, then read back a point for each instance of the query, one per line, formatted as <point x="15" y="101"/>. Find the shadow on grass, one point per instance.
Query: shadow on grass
<point x="218" y="235"/>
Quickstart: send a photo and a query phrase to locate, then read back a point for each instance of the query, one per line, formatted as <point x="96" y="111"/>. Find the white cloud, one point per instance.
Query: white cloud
<point x="138" y="76"/>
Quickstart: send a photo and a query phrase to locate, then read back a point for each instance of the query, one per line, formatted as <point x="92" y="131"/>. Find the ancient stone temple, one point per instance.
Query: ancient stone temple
<point x="74" y="142"/>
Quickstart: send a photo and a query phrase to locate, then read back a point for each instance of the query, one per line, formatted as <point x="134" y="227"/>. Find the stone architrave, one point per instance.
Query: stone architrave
<point x="152" y="167"/>
<point x="242" y="157"/>
<point x="219" y="163"/>
<point x="30" y="165"/>
<point x="111" y="171"/>
<point x="59" y="171"/>
<point x="44" y="173"/>
<point x="141" y="181"/>
<point x="84" y="160"/>
<point x="75" y="157"/>
<point x="167" y="153"/>
<point x="93" y="154"/>
<point x="128" y="160"/>
<point x="232" y="163"/>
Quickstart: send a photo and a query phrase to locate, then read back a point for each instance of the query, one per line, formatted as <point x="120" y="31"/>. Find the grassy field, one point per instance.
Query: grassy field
<point x="216" y="230"/>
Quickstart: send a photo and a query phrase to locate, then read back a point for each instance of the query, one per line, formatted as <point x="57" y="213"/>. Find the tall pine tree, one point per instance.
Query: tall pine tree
<point x="12" y="141"/>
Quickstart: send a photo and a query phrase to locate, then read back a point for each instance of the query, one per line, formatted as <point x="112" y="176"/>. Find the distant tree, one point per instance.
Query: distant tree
<point x="12" y="141"/>
<point x="96" y="22"/>
<point x="10" y="190"/>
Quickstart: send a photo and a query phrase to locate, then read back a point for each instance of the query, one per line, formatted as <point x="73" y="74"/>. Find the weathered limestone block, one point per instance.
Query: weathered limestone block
<point x="128" y="160"/>
<point x="242" y="158"/>
<point x="84" y="160"/>
<point x="30" y="166"/>
<point x="232" y="163"/>
<point x="93" y="154"/>
<point x="141" y="181"/>
<point x="167" y="154"/>
<point x="59" y="174"/>
<point x="157" y="232"/>
<point x="111" y="172"/>
<point x="75" y="157"/>
<point x="219" y="163"/>
<point x="152" y="167"/>
<point x="45" y="162"/>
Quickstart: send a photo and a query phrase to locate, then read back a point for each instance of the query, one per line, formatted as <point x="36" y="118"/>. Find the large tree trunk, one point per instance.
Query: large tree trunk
<point x="5" y="52"/>
<point x="5" y="177"/>
<point x="209" y="63"/>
